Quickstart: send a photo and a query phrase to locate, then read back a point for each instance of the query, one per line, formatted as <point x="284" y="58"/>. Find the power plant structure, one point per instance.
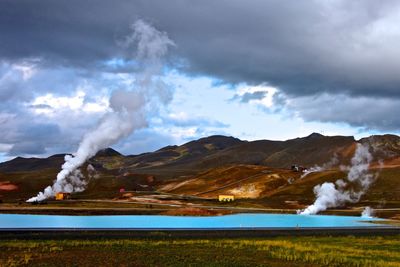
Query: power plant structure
<point x="226" y="198"/>
<point x="62" y="196"/>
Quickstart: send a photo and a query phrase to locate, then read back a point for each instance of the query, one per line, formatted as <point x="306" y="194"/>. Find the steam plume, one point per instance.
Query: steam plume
<point x="128" y="108"/>
<point x="330" y="195"/>
<point x="368" y="212"/>
<point x="332" y="162"/>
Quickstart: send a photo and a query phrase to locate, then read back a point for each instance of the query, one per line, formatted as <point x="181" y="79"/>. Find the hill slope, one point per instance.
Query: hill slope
<point x="203" y="166"/>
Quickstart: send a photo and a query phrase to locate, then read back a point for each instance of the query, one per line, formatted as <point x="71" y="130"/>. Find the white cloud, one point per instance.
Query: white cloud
<point x="50" y="104"/>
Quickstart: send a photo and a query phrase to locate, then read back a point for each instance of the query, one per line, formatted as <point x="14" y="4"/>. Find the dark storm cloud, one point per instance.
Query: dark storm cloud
<point x="365" y="112"/>
<point x="27" y="148"/>
<point x="41" y="106"/>
<point x="29" y="138"/>
<point x="12" y="86"/>
<point x="332" y="61"/>
<point x="78" y="32"/>
<point x="303" y="48"/>
<point x="247" y="97"/>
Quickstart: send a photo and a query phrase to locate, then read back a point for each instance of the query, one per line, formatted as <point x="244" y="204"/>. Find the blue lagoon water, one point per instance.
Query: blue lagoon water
<point x="185" y="222"/>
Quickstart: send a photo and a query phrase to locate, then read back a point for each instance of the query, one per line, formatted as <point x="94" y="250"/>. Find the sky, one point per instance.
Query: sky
<point x="256" y="69"/>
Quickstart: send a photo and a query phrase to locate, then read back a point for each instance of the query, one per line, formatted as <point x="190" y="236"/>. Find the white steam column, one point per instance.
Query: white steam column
<point x="330" y="195"/>
<point x="129" y="107"/>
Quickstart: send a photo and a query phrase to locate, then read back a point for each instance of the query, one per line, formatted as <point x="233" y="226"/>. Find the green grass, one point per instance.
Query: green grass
<point x="161" y="251"/>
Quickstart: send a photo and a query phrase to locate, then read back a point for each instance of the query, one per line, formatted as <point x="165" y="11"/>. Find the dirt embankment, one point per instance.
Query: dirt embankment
<point x="191" y="211"/>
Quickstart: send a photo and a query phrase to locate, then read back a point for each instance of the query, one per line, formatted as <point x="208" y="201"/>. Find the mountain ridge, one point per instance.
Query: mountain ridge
<point x="218" y="150"/>
<point x="216" y="162"/>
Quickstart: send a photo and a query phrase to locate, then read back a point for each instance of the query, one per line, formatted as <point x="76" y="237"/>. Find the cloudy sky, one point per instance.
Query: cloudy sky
<point x="250" y="69"/>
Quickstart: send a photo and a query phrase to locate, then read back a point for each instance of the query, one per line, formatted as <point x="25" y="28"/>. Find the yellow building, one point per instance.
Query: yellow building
<point x="226" y="198"/>
<point x="62" y="196"/>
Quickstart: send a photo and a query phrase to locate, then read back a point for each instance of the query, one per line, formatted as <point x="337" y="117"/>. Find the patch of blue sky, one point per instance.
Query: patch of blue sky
<point x="202" y="96"/>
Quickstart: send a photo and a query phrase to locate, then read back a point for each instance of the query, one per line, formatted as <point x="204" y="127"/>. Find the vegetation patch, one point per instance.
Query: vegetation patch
<point x="161" y="250"/>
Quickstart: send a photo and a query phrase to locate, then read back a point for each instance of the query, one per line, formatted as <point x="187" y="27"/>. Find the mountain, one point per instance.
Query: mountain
<point x="217" y="150"/>
<point x="384" y="146"/>
<point x="184" y="154"/>
<point x="108" y="152"/>
<point x="310" y="150"/>
<point x="209" y="163"/>
<point x="20" y="164"/>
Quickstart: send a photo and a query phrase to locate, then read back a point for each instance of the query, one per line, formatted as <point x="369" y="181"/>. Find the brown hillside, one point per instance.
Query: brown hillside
<point x="243" y="181"/>
<point x="207" y="167"/>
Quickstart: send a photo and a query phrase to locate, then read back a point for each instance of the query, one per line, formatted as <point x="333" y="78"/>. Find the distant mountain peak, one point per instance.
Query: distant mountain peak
<point x="218" y="137"/>
<point x="315" y="135"/>
<point x="108" y="152"/>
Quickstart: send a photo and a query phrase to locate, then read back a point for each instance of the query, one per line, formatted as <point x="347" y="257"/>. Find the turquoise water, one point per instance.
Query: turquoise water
<point x="170" y="222"/>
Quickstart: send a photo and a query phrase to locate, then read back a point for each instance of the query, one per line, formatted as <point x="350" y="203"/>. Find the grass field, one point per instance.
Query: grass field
<point x="163" y="251"/>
